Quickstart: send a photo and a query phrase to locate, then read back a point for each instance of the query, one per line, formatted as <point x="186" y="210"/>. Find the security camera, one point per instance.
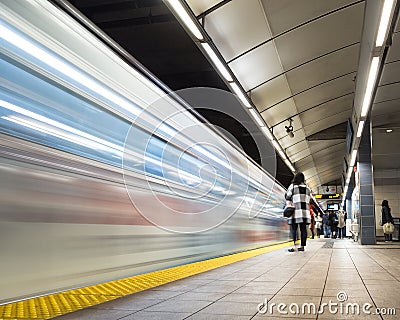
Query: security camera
<point x="289" y="128"/>
<point x="290" y="133"/>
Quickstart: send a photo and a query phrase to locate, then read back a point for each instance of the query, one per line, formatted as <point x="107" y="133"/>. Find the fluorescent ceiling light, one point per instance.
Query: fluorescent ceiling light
<point x="288" y="163"/>
<point x="276" y="145"/>
<point x="353" y="159"/>
<point x="267" y="133"/>
<point x="185" y="18"/>
<point x="384" y="22"/>
<point x="373" y="70"/>
<point x="243" y="98"/>
<point x="349" y="174"/>
<point x="360" y="128"/>
<point x="256" y="116"/>
<point x="217" y="62"/>
<point x="282" y="154"/>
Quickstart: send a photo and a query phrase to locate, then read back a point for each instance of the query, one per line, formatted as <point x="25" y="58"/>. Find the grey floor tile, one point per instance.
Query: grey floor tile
<point x="301" y="291"/>
<point x="246" y="297"/>
<point x="209" y="316"/>
<point x="201" y="296"/>
<point x="127" y="303"/>
<point x="178" y="305"/>
<point x="157" y="294"/>
<point x="145" y="315"/>
<point x="94" y="314"/>
<point x="232" y="308"/>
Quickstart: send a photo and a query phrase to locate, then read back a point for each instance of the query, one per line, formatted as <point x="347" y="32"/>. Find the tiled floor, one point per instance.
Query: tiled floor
<point x="298" y="282"/>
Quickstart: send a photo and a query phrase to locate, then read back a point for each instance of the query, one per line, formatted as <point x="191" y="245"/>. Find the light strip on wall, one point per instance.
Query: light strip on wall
<point x="217" y="62"/>
<point x="384" y="22"/>
<point x="257" y="117"/>
<point x="185" y="18"/>
<point x="373" y="70"/>
<point x="240" y="94"/>
<point x="360" y="128"/>
<point x="291" y="167"/>
<point x="353" y="159"/>
<point x="276" y="145"/>
<point x="267" y="133"/>
<point x="55" y="62"/>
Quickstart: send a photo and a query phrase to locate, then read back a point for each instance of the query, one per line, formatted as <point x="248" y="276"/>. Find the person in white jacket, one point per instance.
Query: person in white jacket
<point x="300" y="195"/>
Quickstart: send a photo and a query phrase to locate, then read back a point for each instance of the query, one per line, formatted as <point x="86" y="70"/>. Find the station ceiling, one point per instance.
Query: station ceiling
<point x="295" y="59"/>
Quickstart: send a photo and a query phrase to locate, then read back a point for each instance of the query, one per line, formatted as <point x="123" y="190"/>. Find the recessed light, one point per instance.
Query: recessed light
<point x="389" y="130"/>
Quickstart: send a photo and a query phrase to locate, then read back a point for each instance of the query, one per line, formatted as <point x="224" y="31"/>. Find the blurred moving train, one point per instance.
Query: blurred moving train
<point x="97" y="183"/>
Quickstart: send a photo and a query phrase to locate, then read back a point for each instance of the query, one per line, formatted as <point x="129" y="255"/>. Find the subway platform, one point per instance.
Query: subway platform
<point x="332" y="279"/>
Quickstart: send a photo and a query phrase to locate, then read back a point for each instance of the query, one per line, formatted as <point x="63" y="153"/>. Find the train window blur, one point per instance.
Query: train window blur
<point x="38" y="111"/>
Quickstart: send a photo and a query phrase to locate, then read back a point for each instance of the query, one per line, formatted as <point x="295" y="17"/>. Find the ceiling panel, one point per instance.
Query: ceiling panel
<point x="327" y="110"/>
<point x="328" y="154"/>
<point x="281" y="112"/>
<point x="388" y="92"/>
<point x="324" y="93"/>
<point x="391" y="72"/>
<point x="271" y="93"/>
<point x="320" y="37"/>
<point x="299" y="151"/>
<point x="199" y="6"/>
<point x="323" y="69"/>
<point x="305" y="163"/>
<point x="386" y="107"/>
<point x="310" y="173"/>
<point x="257" y="66"/>
<point x="326" y="123"/>
<point x="286" y="14"/>
<point x="394" y="50"/>
<point x="233" y="38"/>
<point x="317" y="146"/>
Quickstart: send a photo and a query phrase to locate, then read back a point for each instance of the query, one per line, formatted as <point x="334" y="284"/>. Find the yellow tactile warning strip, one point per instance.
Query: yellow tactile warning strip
<point x="53" y="305"/>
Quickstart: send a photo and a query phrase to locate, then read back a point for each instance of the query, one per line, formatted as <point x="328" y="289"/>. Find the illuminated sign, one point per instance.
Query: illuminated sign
<point x="327" y="196"/>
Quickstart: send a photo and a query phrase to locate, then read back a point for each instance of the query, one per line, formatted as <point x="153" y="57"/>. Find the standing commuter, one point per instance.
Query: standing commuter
<point x="386" y="217"/>
<point x="333" y="223"/>
<point x="318" y="224"/>
<point x="341" y="225"/>
<point x="299" y="194"/>
<point x="326" y="225"/>
<point x="312" y="225"/>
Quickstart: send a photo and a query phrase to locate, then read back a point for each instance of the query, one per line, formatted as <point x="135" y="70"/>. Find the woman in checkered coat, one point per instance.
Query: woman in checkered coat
<point x="300" y="195"/>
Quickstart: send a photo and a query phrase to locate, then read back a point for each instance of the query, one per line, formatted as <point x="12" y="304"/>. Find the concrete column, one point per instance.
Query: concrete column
<point x="367" y="207"/>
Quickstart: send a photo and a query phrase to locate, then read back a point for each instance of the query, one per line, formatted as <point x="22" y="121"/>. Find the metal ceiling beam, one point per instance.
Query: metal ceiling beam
<point x="212" y="9"/>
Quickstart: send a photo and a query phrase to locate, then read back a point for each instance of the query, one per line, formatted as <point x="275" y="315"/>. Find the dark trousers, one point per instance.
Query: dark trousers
<point x="342" y="232"/>
<point x="388" y="237"/>
<point x="303" y="233"/>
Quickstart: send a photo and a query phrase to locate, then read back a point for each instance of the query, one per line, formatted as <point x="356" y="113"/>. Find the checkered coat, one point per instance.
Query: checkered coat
<point x="300" y="195"/>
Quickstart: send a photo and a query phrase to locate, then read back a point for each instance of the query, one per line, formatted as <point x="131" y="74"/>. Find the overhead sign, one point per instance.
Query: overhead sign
<point x="327" y="196"/>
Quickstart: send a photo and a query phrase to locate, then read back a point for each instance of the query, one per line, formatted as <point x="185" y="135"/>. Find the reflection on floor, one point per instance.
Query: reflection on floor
<point x="342" y="281"/>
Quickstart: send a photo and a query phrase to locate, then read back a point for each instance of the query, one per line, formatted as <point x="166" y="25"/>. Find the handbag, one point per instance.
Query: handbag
<point x="289" y="209"/>
<point x="388" y="228"/>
